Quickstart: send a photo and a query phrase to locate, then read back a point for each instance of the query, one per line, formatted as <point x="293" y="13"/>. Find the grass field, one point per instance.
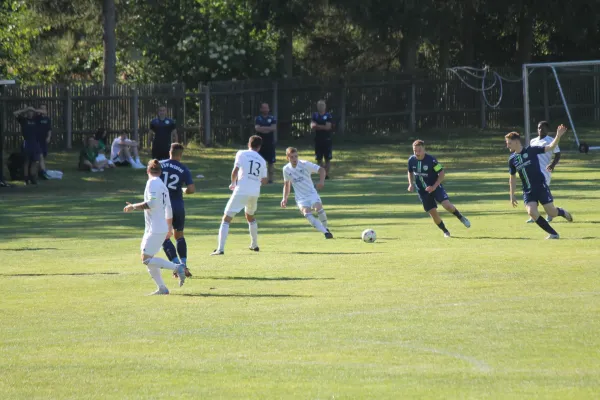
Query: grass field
<point x="494" y="312"/>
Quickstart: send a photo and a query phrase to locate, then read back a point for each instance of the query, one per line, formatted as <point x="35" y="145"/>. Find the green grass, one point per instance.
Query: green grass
<point x="495" y="312"/>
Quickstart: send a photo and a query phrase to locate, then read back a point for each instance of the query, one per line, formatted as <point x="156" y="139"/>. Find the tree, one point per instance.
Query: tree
<point x="110" y="42"/>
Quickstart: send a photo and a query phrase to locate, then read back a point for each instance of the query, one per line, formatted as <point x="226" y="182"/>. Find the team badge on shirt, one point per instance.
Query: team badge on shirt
<point x="525" y="155"/>
<point x="425" y="167"/>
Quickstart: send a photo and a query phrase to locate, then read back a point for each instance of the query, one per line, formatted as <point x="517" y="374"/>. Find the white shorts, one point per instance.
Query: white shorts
<point x="308" y="202"/>
<point x="100" y="158"/>
<point x="238" y="201"/>
<point x="152" y="243"/>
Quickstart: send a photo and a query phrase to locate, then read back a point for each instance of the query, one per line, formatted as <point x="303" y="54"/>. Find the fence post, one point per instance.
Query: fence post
<point x="483" y="111"/>
<point x="342" y="125"/>
<point x="275" y="110"/>
<point x="546" y="103"/>
<point x="69" y="118"/>
<point x="207" y="132"/>
<point x="135" y="117"/>
<point x="413" y="106"/>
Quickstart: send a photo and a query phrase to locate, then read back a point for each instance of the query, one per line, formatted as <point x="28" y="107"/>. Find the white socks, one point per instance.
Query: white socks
<point x="253" y="228"/>
<point x="162" y="263"/>
<point x="154" y="265"/>
<point x="316" y="223"/>
<point x="322" y="217"/>
<point x="223" y="232"/>
<point x="156" y="276"/>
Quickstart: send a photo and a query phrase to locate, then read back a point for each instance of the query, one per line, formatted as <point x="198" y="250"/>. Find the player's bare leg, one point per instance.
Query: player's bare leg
<point x="532" y="210"/>
<point x="327" y="168"/>
<point x="452" y="209"/>
<point x="253" y="230"/>
<point x="554" y="212"/>
<point x="438" y="221"/>
<point x="271" y="172"/>
<point x="223" y="232"/>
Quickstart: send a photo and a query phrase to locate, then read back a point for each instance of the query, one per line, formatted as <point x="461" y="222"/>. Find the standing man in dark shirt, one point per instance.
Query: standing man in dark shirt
<point x="29" y="121"/>
<point x="163" y="132"/>
<point x="427" y="175"/>
<point x="321" y="125"/>
<point x="265" y="126"/>
<point x="44" y="135"/>
<point x="525" y="161"/>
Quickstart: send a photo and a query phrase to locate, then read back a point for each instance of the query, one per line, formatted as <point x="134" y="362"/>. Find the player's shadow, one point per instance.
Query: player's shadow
<point x="489" y="237"/>
<point x="62" y="274"/>
<point x="264" y="278"/>
<point x="31" y="249"/>
<point x="270" y="296"/>
<point x="338" y="253"/>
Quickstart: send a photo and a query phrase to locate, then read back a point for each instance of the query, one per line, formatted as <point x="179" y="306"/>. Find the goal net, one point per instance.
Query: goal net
<point x="567" y="93"/>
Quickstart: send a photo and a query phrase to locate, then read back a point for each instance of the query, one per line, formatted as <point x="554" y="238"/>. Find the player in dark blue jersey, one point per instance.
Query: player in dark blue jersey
<point x="175" y="175"/>
<point x="426" y="174"/>
<point x="44" y="135"/>
<point x="28" y="119"/>
<point x="265" y="126"/>
<point x="525" y="162"/>
<point x="322" y="124"/>
<point x="163" y="131"/>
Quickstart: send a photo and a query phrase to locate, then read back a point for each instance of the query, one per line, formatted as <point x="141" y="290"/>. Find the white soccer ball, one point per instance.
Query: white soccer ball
<point x="369" y="236"/>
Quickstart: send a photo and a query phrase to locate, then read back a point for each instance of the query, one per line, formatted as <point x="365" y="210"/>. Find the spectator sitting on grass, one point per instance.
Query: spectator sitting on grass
<point x="87" y="157"/>
<point x="101" y="141"/>
<point x="125" y="152"/>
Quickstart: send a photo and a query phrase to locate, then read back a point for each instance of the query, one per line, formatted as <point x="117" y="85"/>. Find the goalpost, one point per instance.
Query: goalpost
<point x="579" y="67"/>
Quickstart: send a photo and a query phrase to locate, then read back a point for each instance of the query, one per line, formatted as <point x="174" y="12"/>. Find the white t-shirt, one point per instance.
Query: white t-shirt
<point x="157" y="197"/>
<point x="304" y="188"/>
<point x="252" y="168"/>
<point x="116" y="146"/>
<point x="544" y="158"/>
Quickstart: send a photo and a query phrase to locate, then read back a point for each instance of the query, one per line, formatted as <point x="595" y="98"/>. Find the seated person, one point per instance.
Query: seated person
<point x="101" y="140"/>
<point x="87" y="157"/>
<point x="125" y="152"/>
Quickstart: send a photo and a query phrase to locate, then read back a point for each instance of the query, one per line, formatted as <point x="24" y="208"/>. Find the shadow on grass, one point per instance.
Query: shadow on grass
<point x="490" y="237"/>
<point x="31" y="249"/>
<point x="261" y="278"/>
<point x="337" y="253"/>
<point x="65" y="274"/>
<point x="240" y="295"/>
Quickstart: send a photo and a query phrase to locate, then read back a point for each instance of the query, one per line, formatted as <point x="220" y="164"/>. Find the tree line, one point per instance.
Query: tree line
<point x="191" y="41"/>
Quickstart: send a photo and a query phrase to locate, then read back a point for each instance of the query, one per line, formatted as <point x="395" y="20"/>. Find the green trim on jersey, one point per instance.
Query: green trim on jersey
<point x="524" y="172"/>
<point x="419" y="171"/>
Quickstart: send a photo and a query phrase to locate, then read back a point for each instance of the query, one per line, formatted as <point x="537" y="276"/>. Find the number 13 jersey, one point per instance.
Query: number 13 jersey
<point x="251" y="169"/>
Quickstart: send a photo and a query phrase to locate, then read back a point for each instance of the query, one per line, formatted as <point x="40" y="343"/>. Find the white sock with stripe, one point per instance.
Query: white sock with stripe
<point x="223" y="232"/>
<point x="315" y="223"/>
<point x="322" y="217"/>
<point x="253" y="228"/>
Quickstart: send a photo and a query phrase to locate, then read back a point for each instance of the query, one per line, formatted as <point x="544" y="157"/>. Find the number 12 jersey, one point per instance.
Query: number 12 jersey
<point x="252" y="168"/>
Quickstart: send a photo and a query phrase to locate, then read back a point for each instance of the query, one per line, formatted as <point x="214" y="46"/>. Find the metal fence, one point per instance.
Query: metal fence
<point x="374" y="106"/>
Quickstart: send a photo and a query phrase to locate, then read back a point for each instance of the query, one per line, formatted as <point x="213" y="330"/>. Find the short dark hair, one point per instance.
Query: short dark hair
<point x="176" y="149"/>
<point x="544" y="124"/>
<point x="154" y="167"/>
<point x="418" y="142"/>
<point x="255" y="142"/>
<point x="513" y="136"/>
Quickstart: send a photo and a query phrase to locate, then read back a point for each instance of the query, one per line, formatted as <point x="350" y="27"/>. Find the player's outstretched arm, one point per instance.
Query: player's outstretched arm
<point x="560" y="131"/>
<point x="23" y="110"/>
<point x="286" y="193"/>
<point x="554" y="162"/>
<point x="411" y="183"/>
<point x="137" y="206"/>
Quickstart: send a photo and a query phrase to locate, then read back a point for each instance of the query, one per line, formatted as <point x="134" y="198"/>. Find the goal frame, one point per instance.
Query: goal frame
<point x="552" y="65"/>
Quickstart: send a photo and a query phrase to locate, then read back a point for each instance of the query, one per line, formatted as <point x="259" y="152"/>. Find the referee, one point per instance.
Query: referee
<point x="163" y="132"/>
<point x="265" y="126"/>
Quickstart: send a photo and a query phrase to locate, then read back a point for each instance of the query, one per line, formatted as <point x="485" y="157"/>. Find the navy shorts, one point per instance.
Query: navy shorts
<point x="32" y="152"/>
<point x="323" y="149"/>
<point x="540" y="194"/>
<point x="430" y="200"/>
<point x="178" y="217"/>
<point x="267" y="151"/>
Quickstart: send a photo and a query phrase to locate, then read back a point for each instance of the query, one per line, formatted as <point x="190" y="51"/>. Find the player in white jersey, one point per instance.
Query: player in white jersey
<point x="159" y="226"/>
<point x="249" y="173"/>
<point x="546" y="165"/>
<point x="297" y="173"/>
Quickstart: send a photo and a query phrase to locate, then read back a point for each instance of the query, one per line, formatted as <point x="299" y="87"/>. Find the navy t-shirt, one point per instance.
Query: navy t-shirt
<point x="425" y="171"/>
<point x="267" y="122"/>
<point x="29" y="128"/>
<point x="174" y="175"/>
<point x="162" y="131"/>
<point x="527" y="164"/>
<point x="322" y="120"/>
<point x="44" y="126"/>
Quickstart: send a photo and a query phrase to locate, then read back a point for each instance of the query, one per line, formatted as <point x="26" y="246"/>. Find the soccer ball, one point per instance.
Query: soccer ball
<point x="369" y="236"/>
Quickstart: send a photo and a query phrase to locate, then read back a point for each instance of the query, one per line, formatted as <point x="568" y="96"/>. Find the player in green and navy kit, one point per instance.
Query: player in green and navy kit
<point x="426" y="175"/>
<point x="524" y="160"/>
